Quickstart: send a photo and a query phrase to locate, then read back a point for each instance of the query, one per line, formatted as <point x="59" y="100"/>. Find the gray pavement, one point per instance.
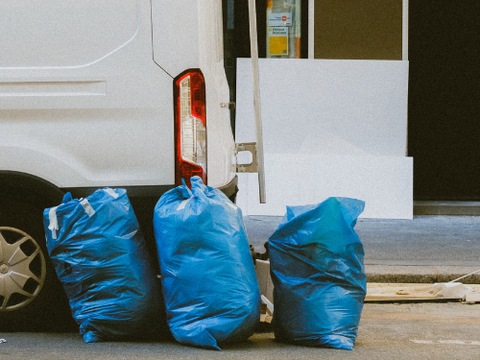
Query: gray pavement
<point x="386" y="331"/>
<point x="426" y="249"/>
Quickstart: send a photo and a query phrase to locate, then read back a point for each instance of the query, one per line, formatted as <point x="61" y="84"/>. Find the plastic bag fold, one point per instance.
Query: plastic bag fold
<point x="100" y="257"/>
<point x="209" y="283"/>
<point x="317" y="268"/>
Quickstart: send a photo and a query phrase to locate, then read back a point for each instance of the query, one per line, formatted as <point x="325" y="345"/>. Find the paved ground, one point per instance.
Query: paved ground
<point x="425" y="249"/>
<point x="386" y="331"/>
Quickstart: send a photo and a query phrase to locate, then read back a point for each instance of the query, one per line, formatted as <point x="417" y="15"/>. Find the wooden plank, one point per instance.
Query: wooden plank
<point x="403" y="292"/>
<point x="472" y="298"/>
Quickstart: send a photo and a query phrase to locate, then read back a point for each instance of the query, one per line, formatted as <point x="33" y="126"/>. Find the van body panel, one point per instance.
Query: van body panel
<point x="86" y="98"/>
<point x="68" y="33"/>
<point x="177" y="28"/>
<point x="198" y="41"/>
<point x="98" y="148"/>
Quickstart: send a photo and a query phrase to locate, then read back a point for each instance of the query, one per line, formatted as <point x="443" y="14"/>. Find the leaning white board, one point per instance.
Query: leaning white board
<point x="330" y="128"/>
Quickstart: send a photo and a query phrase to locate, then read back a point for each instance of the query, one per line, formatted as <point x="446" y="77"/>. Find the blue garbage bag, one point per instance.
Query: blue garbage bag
<point x="100" y="257"/>
<point x="316" y="263"/>
<point x="209" y="283"/>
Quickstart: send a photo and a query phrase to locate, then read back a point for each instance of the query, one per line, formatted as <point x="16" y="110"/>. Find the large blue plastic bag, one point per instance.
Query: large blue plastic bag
<point x="209" y="282"/>
<point x="100" y="257"/>
<point x="316" y="263"/>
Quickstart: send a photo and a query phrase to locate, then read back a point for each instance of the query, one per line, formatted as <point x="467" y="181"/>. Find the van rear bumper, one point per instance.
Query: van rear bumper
<point x="231" y="189"/>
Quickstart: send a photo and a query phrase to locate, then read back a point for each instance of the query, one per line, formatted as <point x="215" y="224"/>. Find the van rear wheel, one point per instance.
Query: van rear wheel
<point x="31" y="296"/>
<point x="22" y="269"/>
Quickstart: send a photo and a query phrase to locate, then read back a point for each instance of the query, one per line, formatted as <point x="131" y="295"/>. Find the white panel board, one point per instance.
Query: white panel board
<point x="326" y="106"/>
<point x="330" y="128"/>
<point x="383" y="182"/>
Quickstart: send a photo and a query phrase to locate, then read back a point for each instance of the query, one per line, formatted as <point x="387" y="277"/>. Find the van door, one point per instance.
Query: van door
<point x="82" y="102"/>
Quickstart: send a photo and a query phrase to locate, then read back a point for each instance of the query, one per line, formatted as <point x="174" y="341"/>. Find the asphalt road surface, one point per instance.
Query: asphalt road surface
<point x="425" y="240"/>
<point x="387" y="331"/>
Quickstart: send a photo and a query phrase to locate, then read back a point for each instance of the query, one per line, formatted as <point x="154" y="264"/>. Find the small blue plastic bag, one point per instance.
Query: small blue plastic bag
<point x="209" y="283"/>
<point x="100" y="257"/>
<point x="316" y="263"/>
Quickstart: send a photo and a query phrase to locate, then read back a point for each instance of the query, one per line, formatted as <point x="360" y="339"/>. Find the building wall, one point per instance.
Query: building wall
<point x="360" y="29"/>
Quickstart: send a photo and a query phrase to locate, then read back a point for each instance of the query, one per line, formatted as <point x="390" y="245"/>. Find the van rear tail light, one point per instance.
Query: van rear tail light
<point x="190" y="127"/>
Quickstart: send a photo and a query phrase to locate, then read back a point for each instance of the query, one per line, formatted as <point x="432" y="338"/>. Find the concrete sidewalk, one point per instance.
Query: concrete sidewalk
<point x="426" y="249"/>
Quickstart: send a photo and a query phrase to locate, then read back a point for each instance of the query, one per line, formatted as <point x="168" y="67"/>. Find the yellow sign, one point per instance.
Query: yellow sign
<point x="278" y="40"/>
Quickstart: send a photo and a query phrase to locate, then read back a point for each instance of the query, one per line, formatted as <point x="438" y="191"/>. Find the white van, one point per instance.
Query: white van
<point x="96" y="93"/>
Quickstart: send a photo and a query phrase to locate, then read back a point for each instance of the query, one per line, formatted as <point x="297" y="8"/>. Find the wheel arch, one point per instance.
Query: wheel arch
<point x="22" y="200"/>
<point x="30" y="187"/>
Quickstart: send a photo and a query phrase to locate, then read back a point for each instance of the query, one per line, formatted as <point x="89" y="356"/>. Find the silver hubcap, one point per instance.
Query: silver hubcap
<point x="4" y="269"/>
<point x="22" y="269"/>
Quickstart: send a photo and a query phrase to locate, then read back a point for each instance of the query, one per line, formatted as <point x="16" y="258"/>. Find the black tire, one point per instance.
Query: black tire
<point x="40" y="304"/>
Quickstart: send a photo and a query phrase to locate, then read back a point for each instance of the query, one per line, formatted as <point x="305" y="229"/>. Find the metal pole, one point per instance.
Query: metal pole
<point x="405" y="30"/>
<point x="405" y="50"/>
<point x="311" y="29"/>
<point x="256" y="98"/>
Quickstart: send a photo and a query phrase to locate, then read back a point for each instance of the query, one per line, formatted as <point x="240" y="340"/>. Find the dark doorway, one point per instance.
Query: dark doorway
<point x="444" y="99"/>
